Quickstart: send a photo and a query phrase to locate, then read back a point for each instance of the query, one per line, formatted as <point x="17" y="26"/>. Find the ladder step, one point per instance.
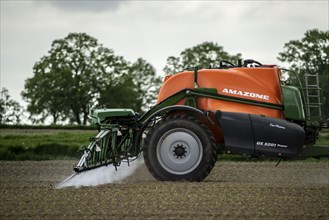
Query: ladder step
<point x="311" y="85"/>
<point x="314" y="103"/>
<point x="312" y="88"/>
<point x="313" y="106"/>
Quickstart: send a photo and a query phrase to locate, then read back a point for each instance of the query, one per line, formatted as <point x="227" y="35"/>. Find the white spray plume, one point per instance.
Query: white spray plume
<point x="102" y="175"/>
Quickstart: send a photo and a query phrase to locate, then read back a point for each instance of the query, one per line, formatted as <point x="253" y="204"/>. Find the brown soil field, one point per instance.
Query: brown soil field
<point x="234" y="190"/>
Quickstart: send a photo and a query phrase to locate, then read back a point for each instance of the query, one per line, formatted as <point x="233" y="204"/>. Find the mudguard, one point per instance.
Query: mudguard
<point x="260" y="135"/>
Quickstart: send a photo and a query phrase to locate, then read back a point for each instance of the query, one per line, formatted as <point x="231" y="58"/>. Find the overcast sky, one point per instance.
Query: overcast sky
<point x="153" y="30"/>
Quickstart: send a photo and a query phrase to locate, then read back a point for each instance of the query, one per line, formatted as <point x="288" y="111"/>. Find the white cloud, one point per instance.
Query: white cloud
<point x="153" y="30"/>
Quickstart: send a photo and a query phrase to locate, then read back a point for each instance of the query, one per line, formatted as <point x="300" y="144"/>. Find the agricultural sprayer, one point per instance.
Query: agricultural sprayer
<point x="246" y="109"/>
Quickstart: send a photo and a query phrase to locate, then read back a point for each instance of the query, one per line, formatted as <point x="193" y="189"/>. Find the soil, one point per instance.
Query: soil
<point x="247" y="190"/>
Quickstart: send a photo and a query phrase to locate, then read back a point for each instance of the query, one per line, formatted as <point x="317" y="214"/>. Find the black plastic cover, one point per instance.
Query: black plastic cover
<point x="237" y="130"/>
<point x="260" y="135"/>
<point x="277" y="136"/>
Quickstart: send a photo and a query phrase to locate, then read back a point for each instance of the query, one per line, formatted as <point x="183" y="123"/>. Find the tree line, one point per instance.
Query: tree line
<point x="79" y="72"/>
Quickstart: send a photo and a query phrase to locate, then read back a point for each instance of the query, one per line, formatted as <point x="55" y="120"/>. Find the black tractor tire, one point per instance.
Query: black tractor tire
<point x="180" y="148"/>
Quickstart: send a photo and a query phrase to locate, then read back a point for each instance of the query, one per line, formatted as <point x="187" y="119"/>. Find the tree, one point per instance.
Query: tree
<point x="119" y="93"/>
<point x="78" y="72"/>
<point x="311" y="55"/>
<point x="69" y="78"/>
<point x="46" y="91"/>
<point x="10" y="110"/>
<point x="136" y="90"/>
<point x="204" y="55"/>
<point x="147" y="83"/>
<point x="60" y="84"/>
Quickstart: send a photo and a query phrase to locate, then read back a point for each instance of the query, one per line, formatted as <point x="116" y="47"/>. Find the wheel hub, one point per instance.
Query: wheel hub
<point x="179" y="151"/>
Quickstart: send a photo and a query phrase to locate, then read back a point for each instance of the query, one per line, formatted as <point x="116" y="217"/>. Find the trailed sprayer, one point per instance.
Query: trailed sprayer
<point x="248" y="109"/>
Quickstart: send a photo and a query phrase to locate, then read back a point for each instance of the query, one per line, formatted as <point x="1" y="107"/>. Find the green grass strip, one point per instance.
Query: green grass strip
<point x="43" y="144"/>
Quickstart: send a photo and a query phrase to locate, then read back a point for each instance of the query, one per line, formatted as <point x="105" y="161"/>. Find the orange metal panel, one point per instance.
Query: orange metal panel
<point x="258" y="84"/>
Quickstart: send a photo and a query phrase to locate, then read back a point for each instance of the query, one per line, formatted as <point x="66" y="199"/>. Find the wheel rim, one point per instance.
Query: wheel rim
<point x="179" y="151"/>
